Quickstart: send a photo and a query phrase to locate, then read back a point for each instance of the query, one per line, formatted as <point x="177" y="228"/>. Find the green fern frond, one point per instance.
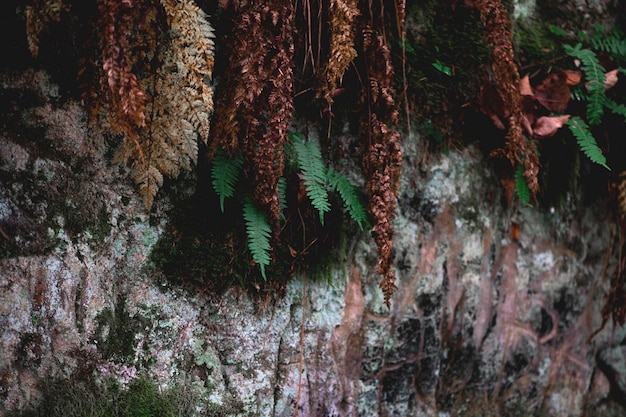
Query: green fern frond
<point x="349" y="196"/>
<point x="612" y="45"/>
<point x="619" y="109"/>
<point x="282" y="194"/>
<point x="224" y="173"/>
<point x="586" y="141"/>
<point x="594" y="73"/>
<point x="313" y="171"/>
<point x="259" y="231"/>
<point x="521" y="186"/>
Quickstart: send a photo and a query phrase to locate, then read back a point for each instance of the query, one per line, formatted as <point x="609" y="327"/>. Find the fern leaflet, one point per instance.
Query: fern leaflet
<point x="282" y="195"/>
<point x="259" y="232"/>
<point x="619" y="109"/>
<point x="595" y="76"/>
<point x="349" y="196"/>
<point x="224" y="173"/>
<point x="586" y="141"/>
<point x="612" y="45"/>
<point x="313" y="172"/>
<point x="521" y="186"/>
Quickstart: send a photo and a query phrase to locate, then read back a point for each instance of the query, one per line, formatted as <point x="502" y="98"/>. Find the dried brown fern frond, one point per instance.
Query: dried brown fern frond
<point x="498" y="34"/>
<point x="39" y="13"/>
<point x="268" y="157"/>
<point x="126" y="100"/>
<point x="383" y="158"/>
<point x="255" y="111"/>
<point x="189" y="61"/>
<point x="244" y="80"/>
<point x="181" y="102"/>
<point x="343" y="16"/>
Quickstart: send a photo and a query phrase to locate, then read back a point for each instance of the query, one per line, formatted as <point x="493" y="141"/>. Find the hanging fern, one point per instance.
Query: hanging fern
<point x="616" y="108"/>
<point x="282" y="193"/>
<point x="586" y="141"/>
<point x="349" y="196"/>
<point x="521" y="186"/>
<point x="224" y="173"/>
<point x="313" y="172"/>
<point x="613" y="45"/>
<point x="595" y="80"/>
<point x="259" y="232"/>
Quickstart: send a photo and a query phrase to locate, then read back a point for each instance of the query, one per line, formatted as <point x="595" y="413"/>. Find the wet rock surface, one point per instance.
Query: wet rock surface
<point x="484" y="322"/>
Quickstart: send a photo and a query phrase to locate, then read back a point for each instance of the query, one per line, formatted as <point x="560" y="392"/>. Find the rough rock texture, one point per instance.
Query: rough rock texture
<point x="483" y="323"/>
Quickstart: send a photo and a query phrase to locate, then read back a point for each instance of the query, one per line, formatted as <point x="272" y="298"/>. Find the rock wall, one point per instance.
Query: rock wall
<point x="495" y="311"/>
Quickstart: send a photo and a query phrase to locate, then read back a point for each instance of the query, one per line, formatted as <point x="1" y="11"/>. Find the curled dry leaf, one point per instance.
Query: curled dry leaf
<point x="610" y="79"/>
<point x="554" y="93"/>
<point x="524" y="87"/>
<point x="573" y="77"/>
<point x="547" y="126"/>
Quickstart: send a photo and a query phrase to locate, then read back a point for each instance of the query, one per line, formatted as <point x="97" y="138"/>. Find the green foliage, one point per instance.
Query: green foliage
<point x="349" y="196"/>
<point x="116" y="331"/>
<point x="282" y="194"/>
<point x="616" y="108"/>
<point x="224" y="173"/>
<point x="313" y="171"/>
<point x="614" y="44"/>
<point x="259" y="233"/>
<point x="586" y="141"/>
<point x="306" y="158"/>
<point x="141" y="398"/>
<point x="595" y="81"/>
<point x="521" y="186"/>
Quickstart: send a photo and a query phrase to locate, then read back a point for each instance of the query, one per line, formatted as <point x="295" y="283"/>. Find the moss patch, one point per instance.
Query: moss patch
<point x="206" y="248"/>
<point x="444" y="53"/>
<point x="142" y="398"/>
<point x="116" y="331"/>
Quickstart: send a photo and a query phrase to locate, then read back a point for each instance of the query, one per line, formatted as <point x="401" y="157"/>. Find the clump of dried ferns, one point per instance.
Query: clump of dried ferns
<point x="155" y="66"/>
<point x="39" y="13"/>
<point x="343" y="15"/>
<point x="255" y="110"/>
<point x="506" y="80"/>
<point x="382" y="157"/>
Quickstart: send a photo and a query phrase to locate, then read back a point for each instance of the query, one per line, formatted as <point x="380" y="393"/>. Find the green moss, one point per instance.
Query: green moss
<point x="116" y="331"/>
<point x="81" y="211"/>
<point x="445" y="54"/>
<point x="534" y="43"/>
<point x="142" y="398"/>
<point x="193" y="251"/>
<point x="206" y="248"/>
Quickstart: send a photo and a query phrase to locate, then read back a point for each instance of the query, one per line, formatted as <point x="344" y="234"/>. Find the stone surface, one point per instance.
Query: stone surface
<point x="484" y="322"/>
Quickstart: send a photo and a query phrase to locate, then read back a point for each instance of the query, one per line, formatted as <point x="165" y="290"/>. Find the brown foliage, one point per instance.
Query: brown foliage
<point x="39" y="13"/>
<point x="127" y="101"/>
<point x="506" y="78"/>
<point x="383" y="157"/>
<point x="343" y="16"/>
<point x="554" y="93"/>
<point x="255" y="110"/>
<point x="155" y="64"/>
<point x="159" y="109"/>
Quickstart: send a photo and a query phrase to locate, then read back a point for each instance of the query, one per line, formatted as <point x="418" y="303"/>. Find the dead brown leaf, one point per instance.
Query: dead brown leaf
<point x="610" y="79"/>
<point x="547" y="126"/>
<point x="573" y="77"/>
<point x="524" y="87"/>
<point x="554" y="93"/>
